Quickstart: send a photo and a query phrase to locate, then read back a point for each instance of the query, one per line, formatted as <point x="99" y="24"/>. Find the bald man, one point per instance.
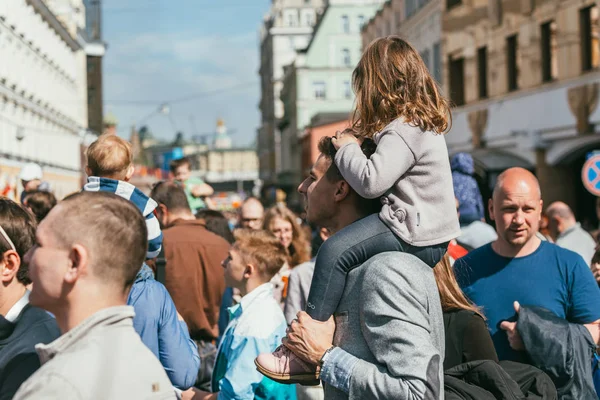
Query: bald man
<point x="251" y="214"/>
<point x="518" y="266"/>
<point x="566" y="232"/>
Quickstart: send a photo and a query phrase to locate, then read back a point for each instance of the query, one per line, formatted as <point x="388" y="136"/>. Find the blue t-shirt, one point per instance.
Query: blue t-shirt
<point x="551" y="277"/>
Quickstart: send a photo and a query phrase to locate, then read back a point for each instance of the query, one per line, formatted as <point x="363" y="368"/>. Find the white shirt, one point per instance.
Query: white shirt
<point x="16" y="309"/>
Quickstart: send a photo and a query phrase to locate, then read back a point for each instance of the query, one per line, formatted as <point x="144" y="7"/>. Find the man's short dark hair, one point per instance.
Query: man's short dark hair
<point x="173" y="165"/>
<point x="40" y="203"/>
<point x="368" y="146"/>
<point x="20" y="225"/>
<point x="216" y="223"/>
<point x="171" y="195"/>
<point x="111" y="228"/>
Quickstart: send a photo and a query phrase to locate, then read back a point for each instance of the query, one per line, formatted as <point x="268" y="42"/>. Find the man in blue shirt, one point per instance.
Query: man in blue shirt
<point x="520" y="268"/>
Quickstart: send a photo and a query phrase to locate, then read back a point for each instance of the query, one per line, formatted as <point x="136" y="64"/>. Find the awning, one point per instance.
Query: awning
<point x="493" y="160"/>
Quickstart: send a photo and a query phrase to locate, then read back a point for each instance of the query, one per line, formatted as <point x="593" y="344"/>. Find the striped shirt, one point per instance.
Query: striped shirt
<point x="256" y="326"/>
<point x="144" y="203"/>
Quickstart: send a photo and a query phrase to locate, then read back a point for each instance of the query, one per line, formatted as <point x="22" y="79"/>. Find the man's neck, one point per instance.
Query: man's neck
<point x="184" y="215"/>
<point x="10" y="296"/>
<point x="507" y="250"/>
<point x="69" y="315"/>
<point x="343" y="219"/>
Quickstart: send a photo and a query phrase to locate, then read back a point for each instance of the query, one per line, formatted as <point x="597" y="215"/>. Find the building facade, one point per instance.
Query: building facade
<point x="319" y="80"/>
<point x="417" y="21"/>
<point x="525" y="77"/>
<point x="286" y="28"/>
<point x="43" y="99"/>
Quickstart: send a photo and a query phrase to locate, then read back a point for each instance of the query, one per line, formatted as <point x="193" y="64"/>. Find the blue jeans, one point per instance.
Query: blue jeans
<point x="348" y="249"/>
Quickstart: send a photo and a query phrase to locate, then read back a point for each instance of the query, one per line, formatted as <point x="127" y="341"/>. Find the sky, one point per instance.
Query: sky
<point x="199" y="56"/>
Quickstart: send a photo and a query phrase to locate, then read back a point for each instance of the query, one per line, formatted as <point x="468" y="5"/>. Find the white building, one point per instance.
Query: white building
<point x="286" y="28"/>
<point x="43" y="94"/>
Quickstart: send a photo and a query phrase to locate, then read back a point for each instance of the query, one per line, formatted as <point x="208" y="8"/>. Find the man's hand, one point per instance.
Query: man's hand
<point x="309" y="338"/>
<point x="343" y="138"/>
<point x="197" y="394"/>
<point x="514" y="339"/>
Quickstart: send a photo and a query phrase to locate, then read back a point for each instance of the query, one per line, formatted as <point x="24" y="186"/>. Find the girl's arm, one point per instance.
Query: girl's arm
<point x="373" y="177"/>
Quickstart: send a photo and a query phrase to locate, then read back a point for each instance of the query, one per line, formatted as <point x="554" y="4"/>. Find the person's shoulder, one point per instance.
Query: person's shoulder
<point x="38" y="325"/>
<point x="263" y="320"/>
<point x="475" y="256"/>
<point x="562" y="255"/>
<point x="303" y="269"/>
<point x="464" y="318"/>
<point x="149" y="292"/>
<point x="396" y="268"/>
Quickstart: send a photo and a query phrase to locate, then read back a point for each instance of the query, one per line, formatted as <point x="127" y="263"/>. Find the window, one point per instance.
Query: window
<point x="409" y="7"/>
<point x="291" y="17"/>
<point x="511" y="63"/>
<point x="482" y="71"/>
<point x="346" y="57"/>
<point x="347" y="90"/>
<point x="437" y="62"/>
<point x="457" y="80"/>
<point x="308" y="17"/>
<point x="588" y="29"/>
<point x="549" y="49"/>
<point x="345" y="24"/>
<point x="361" y="21"/>
<point x="425" y="57"/>
<point x="452" y="3"/>
<point x="319" y="90"/>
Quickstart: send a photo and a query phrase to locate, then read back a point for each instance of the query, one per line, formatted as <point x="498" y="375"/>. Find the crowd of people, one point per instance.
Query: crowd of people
<point x="392" y="285"/>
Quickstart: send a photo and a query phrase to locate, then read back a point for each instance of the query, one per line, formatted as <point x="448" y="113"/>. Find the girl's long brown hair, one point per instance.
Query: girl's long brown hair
<point x="300" y="248"/>
<point x="390" y="81"/>
<point x="451" y="296"/>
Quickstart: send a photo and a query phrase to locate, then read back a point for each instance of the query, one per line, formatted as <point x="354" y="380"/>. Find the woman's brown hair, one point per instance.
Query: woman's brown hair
<point x="451" y="296"/>
<point x="391" y="81"/>
<point x="299" y="249"/>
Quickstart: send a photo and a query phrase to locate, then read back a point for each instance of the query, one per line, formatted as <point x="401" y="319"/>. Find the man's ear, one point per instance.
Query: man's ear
<point x="88" y="171"/>
<point x="10" y="267"/>
<point x="78" y="263"/>
<point x="491" y="208"/>
<point x="342" y="190"/>
<point x="130" y="172"/>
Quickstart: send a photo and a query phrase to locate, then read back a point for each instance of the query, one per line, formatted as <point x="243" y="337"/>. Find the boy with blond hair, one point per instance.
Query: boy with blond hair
<point x="109" y="169"/>
<point x="256" y="324"/>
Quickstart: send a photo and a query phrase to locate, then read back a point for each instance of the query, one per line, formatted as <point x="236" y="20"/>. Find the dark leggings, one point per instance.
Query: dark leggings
<point x="348" y="249"/>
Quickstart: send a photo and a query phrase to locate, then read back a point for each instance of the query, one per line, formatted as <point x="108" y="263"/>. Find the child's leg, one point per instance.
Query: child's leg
<point x="342" y="252"/>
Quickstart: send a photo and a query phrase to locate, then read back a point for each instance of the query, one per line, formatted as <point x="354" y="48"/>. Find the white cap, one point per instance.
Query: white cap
<point x="30" y="172"/>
